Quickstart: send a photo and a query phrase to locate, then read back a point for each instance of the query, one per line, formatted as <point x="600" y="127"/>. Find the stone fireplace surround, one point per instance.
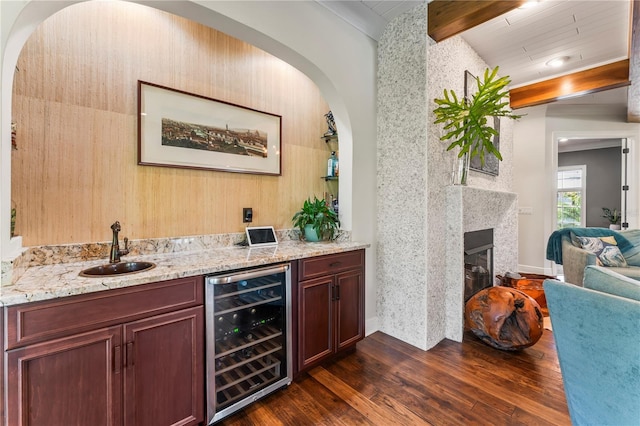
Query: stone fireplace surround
<point x="478" y="261"/>
<point x="472" y="209"/>
<point x="421" y="217"/>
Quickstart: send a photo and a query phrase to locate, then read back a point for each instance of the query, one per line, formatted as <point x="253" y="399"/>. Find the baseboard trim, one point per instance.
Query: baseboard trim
<point x="370" y="326"/>
<point x="535" y="270"/>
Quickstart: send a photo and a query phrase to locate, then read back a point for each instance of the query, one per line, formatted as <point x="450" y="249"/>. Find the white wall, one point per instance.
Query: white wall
<point x="337" y="57"/>
<point x="535" y="164"/>
<point x="530" y="181"/>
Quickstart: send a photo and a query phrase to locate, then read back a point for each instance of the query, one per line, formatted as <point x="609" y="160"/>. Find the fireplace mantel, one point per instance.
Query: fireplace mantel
<point x="472" y="209"/>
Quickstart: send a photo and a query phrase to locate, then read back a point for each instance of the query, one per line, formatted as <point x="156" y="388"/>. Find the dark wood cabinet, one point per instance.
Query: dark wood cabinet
<point x="316" y="332"/>
<point x="330" y="299"/>
<point x="350" y="308"/>
<point x="163" y="374"/>
<point x="121" y="357"/>
<point x="69" y="381"/>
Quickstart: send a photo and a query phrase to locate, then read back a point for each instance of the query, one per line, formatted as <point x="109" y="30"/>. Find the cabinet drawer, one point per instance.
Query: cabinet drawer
<point x="39" y="321"/>
<point x="330" y="264"/>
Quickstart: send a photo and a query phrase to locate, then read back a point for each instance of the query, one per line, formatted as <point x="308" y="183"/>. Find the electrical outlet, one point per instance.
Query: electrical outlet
<point x="247" y="214"/>
<point x="528" y="211"/>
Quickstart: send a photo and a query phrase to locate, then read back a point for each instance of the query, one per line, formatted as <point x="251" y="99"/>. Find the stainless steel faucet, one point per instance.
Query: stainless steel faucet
<point x="114" y="256"/>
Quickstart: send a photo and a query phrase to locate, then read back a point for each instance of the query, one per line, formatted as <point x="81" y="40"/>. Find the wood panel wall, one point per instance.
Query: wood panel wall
<point x="75" y="170"/>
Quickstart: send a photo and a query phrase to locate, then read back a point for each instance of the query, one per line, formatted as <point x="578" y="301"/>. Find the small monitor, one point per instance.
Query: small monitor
<point x="261" y="236"/>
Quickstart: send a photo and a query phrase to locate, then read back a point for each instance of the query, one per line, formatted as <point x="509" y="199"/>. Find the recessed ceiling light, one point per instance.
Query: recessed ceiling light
<point x="563" y="139"/>
<point x="557" y="62"/>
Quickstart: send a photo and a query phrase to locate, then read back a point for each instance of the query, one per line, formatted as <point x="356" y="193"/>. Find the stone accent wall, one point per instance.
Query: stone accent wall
<point x="402" y="179"/>
<point x="414" y="172"/>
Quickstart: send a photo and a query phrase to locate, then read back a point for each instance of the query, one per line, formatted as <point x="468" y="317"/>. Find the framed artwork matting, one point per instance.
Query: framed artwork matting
<point x="180" y="129"/>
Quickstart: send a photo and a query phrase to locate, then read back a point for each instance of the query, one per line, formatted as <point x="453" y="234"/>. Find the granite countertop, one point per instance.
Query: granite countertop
<point x="61" y="280"/>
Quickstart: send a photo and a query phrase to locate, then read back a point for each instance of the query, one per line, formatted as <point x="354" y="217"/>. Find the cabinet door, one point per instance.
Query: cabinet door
<point x="315" y="321"/>
<point x="69" y="381"/>
<point x="350" y="308"/>
<point x="164" y="369"/>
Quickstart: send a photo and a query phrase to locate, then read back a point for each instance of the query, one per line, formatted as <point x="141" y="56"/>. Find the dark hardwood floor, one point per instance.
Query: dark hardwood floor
<point x="388" y="382"/>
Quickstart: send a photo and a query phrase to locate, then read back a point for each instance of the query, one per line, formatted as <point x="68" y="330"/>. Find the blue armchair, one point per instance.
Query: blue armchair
<point x="597" y="334"/>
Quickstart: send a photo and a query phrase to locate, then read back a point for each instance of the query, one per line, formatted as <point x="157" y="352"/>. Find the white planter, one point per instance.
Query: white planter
<point x="614" y="227"/>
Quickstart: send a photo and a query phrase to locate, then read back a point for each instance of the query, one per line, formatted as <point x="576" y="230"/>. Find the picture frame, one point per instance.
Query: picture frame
<point x="186" y="130"/>
<point x="491" y="164"/>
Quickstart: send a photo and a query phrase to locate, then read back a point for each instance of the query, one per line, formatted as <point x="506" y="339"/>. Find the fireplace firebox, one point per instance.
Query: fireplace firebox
<point x="478" y="261"/>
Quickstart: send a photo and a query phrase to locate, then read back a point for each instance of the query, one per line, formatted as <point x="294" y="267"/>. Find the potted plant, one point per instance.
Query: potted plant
<point x="467" y="123"/>
<point x="613" y="216"/>
<point x="316" y="221"/>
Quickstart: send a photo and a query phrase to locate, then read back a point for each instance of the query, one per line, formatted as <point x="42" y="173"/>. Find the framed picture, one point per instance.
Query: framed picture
<point x="491" y="164"/>
<point x="180" y="129"/>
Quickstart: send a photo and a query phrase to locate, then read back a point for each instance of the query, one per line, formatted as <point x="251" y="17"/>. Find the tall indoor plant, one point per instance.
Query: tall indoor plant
<point x="316" y="220"/>
<point x="466" y="121"/>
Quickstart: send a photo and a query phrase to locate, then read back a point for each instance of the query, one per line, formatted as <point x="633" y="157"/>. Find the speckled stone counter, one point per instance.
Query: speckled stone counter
<point x="61" y="280"/>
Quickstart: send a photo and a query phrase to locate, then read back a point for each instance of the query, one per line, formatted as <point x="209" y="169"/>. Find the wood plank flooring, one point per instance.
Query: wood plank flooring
<point x="388" y="382"/>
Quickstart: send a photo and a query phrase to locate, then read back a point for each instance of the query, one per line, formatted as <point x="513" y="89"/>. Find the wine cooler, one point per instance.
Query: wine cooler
<point x="248" y="337"/>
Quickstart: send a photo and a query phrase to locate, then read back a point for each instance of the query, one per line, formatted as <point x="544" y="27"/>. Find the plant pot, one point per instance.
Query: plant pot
<point x="310" y="234"/>
<point x="615" y="227"/>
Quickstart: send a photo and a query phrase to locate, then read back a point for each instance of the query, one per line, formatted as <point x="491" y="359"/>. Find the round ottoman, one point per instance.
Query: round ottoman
<point x="504" y="318"/>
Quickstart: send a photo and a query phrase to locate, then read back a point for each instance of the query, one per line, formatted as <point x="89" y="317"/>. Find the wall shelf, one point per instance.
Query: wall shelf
<point x="330" y="138"/>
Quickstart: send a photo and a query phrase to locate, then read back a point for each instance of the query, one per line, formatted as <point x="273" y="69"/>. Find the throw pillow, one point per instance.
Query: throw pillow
<point x="574" y="240"/>
<point x="611" y="240"/>
<point x="606" y="251"/>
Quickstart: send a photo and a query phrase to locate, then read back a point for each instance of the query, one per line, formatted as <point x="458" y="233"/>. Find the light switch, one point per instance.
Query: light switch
<point x="525" y="211"/>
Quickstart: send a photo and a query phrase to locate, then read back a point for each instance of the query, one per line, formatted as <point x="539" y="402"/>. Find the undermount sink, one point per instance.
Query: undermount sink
<point x="119" y="268"/>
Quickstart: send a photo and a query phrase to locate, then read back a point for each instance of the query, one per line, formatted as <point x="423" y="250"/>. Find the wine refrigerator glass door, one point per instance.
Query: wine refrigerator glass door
<point x="248" y="337"/>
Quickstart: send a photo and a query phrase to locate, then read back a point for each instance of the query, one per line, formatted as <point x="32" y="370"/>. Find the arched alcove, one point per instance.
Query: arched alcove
<point x="32" y="15"/>
<point x="339" y="59"/>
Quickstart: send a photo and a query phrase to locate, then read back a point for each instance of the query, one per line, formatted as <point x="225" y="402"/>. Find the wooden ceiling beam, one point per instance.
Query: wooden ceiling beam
<point x="447" y="18"/>
<point x="633" y="98"/>
<point x="593" y="80"/>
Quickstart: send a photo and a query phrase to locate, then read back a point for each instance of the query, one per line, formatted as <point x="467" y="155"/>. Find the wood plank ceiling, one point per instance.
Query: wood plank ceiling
<point x="589" y="34"/>
<point x="448" y="18"/>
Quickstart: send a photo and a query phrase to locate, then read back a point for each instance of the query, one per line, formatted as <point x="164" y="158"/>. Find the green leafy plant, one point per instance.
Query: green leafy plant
<point x="466" y="120"/>
<point x="613" y="216"/>
<point x="320" y="216"/>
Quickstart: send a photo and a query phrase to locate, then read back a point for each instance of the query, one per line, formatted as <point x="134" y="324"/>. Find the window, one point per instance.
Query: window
<point x="571" y="196"/>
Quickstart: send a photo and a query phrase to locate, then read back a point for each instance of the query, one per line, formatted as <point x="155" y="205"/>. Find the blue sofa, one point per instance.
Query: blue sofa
<point x="597" y="334"/>
<point x="566" y="251"/>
